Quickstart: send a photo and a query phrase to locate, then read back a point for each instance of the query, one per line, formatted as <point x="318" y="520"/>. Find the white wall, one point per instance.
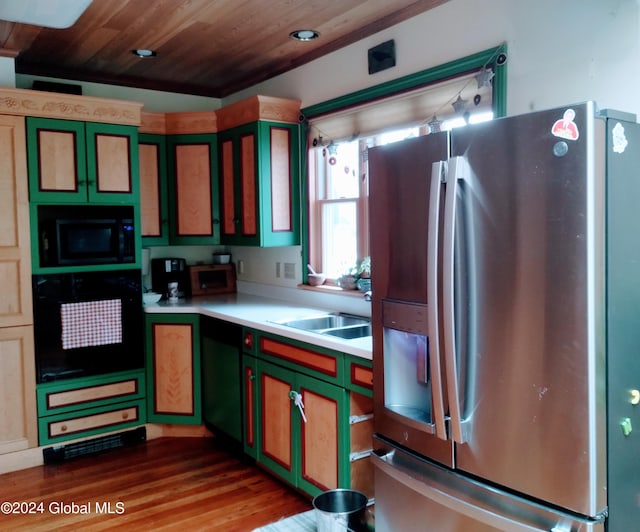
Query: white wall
<point x="560" y="51"/>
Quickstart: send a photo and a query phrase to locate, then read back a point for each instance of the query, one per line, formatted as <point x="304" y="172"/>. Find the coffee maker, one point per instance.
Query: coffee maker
<point x="170" y="270"/>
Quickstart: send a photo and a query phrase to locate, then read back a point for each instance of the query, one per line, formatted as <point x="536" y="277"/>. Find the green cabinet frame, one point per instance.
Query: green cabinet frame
<point x="159" y="142"/>
<point x="173" y="142"/>
<point x="96" y="396"/>
<point x="175" y="365"/>
<point x="84" y="135"/>
<point x="261" y="198"/>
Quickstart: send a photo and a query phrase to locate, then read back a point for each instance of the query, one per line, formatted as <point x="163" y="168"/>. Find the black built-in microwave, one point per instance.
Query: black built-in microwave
<point x="77" y="240"/>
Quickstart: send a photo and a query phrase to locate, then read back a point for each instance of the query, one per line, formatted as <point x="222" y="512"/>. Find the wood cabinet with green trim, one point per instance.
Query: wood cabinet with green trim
<point x="154" y="199"/>
<point x="89" y="406"/>
<point x="260" y="184"/>
<point x="302" y="420"/>
<point x="179" y="193"/>
<point x="71" y="161"/>
<point x="193" y="182"/>
<point x="173" y="368"/>
<point x="260" y="172"/>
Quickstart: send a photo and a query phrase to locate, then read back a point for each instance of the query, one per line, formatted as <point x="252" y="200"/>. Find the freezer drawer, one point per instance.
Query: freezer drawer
<point x="413" y="494"/>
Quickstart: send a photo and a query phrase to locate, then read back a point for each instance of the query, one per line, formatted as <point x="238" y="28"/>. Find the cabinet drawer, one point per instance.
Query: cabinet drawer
<point x="304" y="358"/>
<point x="91" y="392"/>
<point x="359" y="375"/>
<point x="90" y="421"/>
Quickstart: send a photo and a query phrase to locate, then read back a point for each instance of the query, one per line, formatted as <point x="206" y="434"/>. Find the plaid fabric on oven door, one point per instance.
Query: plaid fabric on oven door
<point x="91" y="323"/>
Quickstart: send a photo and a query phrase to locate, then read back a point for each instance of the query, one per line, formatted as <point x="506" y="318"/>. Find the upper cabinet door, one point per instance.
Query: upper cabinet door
<point x="194" y="181"/>
<point x="112" y="163"/>
<point x="259" y="168"/>
<point x="78" y="162"/>
<point x="154" y="209"/>
<point x="57" y="160"/>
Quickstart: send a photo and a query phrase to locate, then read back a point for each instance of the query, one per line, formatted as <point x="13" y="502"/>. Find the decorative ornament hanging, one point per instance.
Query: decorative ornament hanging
<point x="434" y="125"/>
<point x="459" y="105"/>
<point x="484" y="77"/>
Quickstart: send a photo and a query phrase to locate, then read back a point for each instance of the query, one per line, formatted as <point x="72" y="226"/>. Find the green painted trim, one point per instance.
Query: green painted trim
<point x="409" y="82"/>
<point x="405" y="83"/>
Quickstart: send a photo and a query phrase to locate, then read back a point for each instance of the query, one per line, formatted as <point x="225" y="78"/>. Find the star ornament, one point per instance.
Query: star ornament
<point x="459" y="105"/>
<point x="484" y="77"/>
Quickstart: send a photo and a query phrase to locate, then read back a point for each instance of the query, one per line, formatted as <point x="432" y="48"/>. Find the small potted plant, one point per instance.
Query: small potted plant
<point x="364" y="275"/>
<point x="357" y="276"/>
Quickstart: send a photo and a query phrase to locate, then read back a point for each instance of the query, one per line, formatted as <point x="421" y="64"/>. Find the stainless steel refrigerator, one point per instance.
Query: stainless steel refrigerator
<point x="506" y="313"/>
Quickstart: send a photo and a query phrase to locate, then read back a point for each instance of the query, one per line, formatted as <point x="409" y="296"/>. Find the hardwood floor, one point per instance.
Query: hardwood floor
<point x="164" y="484"/>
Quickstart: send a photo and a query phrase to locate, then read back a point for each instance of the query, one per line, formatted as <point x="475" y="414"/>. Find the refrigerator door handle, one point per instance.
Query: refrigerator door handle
<point x="456" y="172"/>
<point x="478" y="502"/>
<point x="438" y="172"/>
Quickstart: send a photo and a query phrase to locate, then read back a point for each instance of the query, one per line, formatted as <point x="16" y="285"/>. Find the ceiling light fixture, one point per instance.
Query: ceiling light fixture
<point x="144" y="53"/>
<point x="304" y="35"/>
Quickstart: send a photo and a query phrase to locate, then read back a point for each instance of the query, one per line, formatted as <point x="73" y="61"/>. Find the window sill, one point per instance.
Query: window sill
<point x="331" y="289"/>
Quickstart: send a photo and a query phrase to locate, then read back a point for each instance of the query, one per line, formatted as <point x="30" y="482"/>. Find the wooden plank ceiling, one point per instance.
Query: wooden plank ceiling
<point x="204" y="47"/>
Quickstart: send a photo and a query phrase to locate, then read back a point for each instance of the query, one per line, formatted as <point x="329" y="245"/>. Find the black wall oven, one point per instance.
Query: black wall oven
<point x="87" y="323"/>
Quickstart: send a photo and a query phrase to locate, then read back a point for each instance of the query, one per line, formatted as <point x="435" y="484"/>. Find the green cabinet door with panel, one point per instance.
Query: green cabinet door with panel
<point x="174" y="392"/>
<point x="259" y="173"/>
<point x="154" y="202"/>
<point x="298" y="427"/>
<point x="193" y="184"/>
<point x="82" y="162"/>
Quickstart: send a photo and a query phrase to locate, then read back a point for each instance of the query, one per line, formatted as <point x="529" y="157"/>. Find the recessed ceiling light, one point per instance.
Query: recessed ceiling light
<point x="144" y="53"/>
<point x="304" y="35"/>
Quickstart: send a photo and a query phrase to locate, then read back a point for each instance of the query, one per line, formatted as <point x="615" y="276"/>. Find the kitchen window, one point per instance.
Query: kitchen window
<point x="337" y="218"/>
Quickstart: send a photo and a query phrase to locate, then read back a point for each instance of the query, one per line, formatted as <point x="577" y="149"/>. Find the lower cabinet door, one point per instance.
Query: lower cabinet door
<point x="323" y="436"/>
<point x="173" y="368"/>
<point x="276" y="422"/>
<point x="299" y="429"/>
<point x="249" y="405"/>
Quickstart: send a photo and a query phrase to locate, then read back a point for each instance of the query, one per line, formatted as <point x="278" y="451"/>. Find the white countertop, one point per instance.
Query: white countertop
<point x="260" y="313"/>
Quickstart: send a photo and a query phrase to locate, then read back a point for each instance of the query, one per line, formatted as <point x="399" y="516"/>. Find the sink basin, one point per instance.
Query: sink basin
<point x="349" y="333"/>
<point x="337" y="324"/>
<point x="325" y="321"/>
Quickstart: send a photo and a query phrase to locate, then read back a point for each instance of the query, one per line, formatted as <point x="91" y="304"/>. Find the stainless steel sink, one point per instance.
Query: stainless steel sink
<point x="338" y="324"/>
<point x="348" y="333"/>
<point x="325" y="321"/>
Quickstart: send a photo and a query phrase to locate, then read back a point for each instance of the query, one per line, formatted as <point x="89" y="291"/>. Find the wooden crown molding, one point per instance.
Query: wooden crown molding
<point x="179" y="123"/>
<point x="26" y="102"/>
<point x="258" y="108"/>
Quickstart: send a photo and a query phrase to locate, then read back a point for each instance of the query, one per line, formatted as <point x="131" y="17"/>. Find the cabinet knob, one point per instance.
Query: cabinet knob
<point x="125" y="415"/>
<point x="252" y="377"/>
<point x="63" y="428"/>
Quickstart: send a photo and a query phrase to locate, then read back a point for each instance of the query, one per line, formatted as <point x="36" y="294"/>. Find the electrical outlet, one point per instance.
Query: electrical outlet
<point x="240" y="266"/>
<point x="277" y="269"/>
<point x="289" y="270"/>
